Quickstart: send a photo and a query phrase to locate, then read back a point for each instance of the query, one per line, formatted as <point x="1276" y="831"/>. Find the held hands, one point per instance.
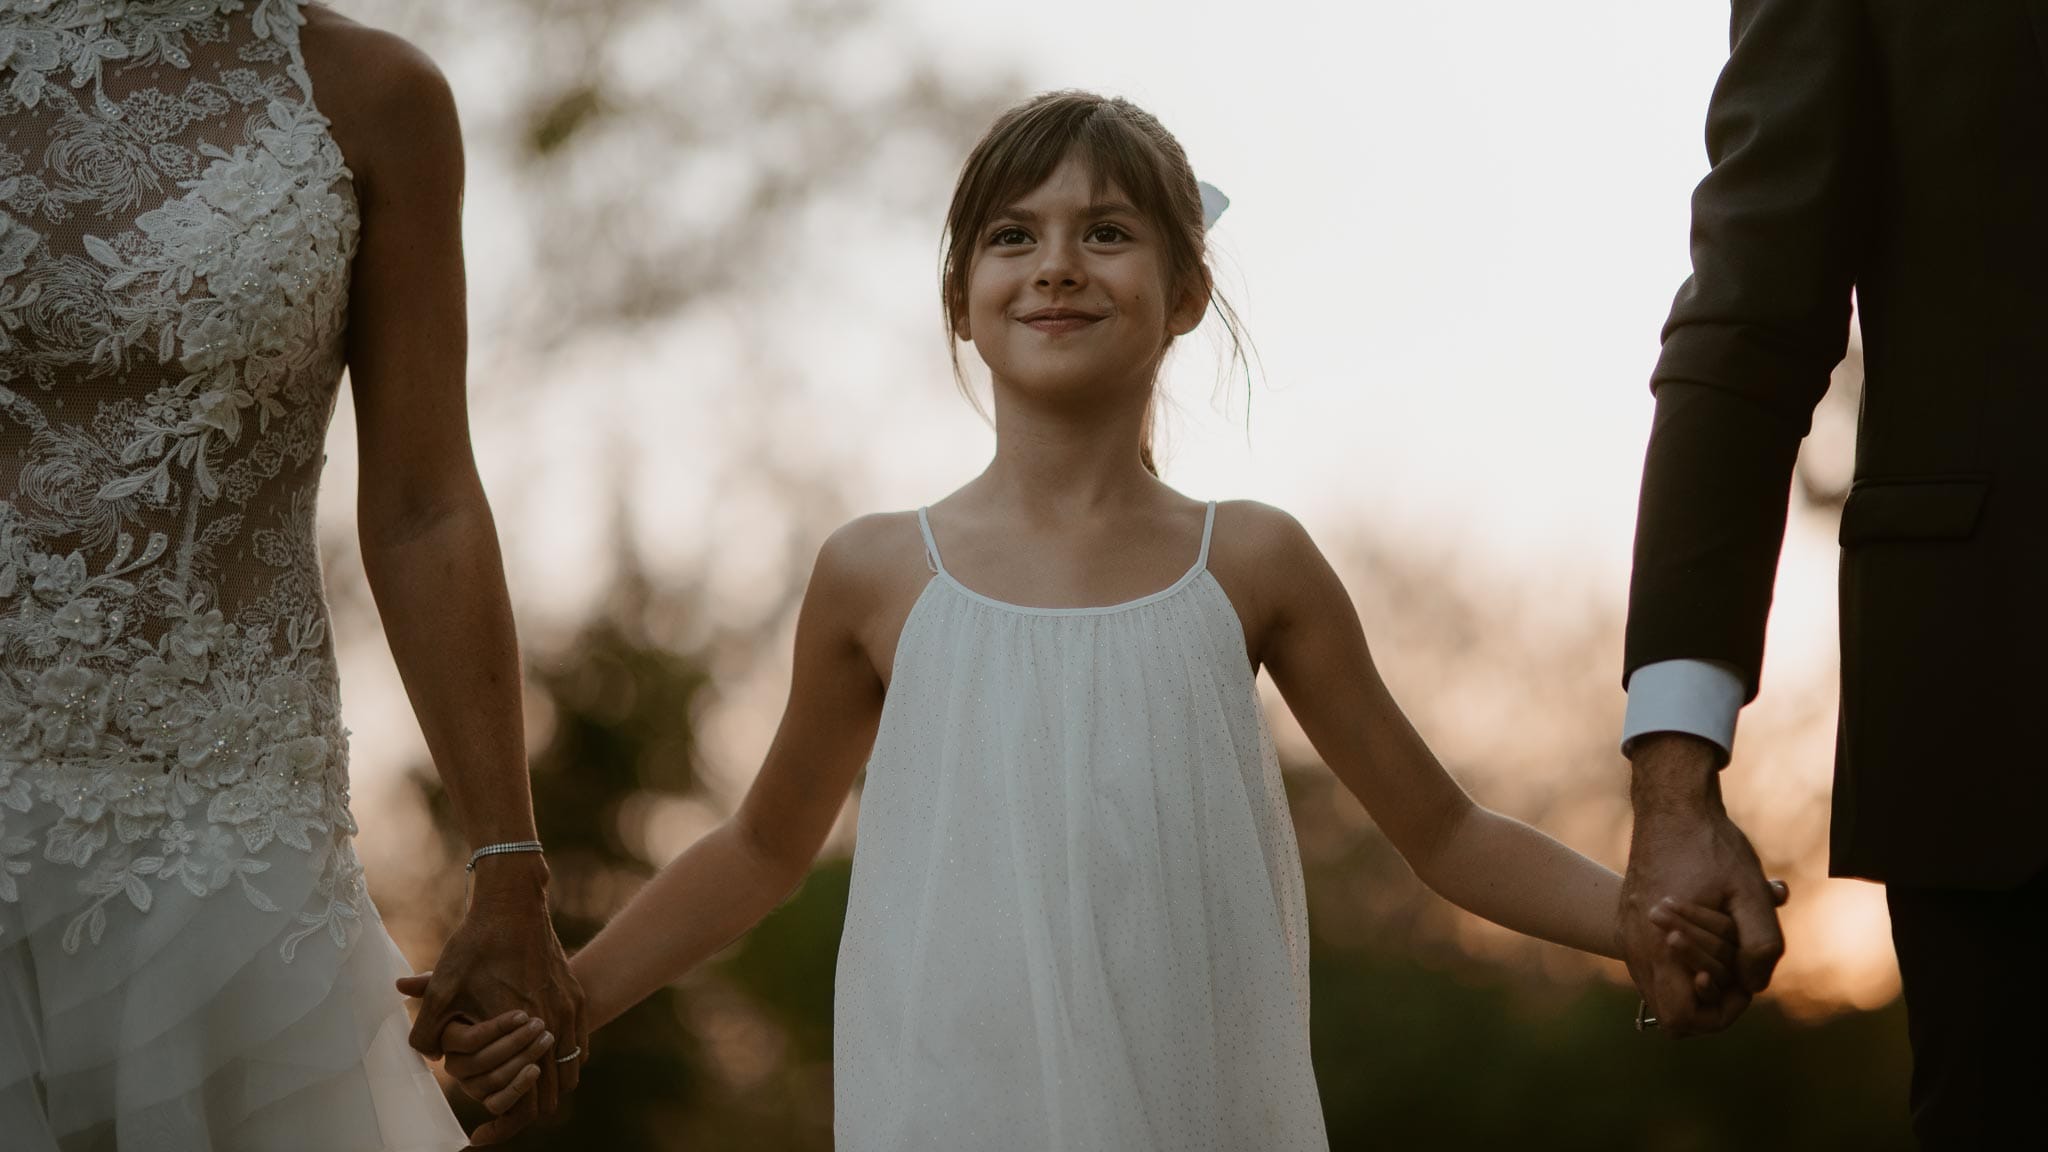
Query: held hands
<point x="1688" y="856"/>
<point x="498" y="1061"/>
<point x="1704" y="942"/>
<point x="502" y="961"/>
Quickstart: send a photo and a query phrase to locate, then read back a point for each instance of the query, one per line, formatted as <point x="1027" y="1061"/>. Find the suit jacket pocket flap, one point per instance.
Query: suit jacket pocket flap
<point x="1935" y="509"/>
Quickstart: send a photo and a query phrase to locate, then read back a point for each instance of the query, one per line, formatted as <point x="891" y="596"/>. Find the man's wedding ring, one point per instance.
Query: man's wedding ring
<point x="1644" y="1021"/>
<point x="578" y="1051"/>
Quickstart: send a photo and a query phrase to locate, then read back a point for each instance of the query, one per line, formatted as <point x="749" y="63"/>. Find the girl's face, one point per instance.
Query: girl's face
<point x="1067" y="294"/>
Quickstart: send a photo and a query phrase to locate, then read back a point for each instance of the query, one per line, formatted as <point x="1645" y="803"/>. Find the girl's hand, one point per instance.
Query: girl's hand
<point x="1705" y="940"/>
<point x="497" y="1061"/>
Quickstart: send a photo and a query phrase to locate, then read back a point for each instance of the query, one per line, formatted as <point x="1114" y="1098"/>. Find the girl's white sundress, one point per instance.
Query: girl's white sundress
<point x="1077" y="921"/>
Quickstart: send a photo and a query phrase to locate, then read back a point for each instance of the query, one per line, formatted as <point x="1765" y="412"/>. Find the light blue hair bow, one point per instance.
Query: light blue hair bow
<point x="1213" y="203"/>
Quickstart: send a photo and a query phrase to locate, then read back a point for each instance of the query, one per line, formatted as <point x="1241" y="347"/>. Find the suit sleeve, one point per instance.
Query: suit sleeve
<point x="1776" y="231"/>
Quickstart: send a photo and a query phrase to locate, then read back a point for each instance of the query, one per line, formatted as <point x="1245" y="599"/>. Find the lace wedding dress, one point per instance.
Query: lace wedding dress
<point x="188" y="958"/>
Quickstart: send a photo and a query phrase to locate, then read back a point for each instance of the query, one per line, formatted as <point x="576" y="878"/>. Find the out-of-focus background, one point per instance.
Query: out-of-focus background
<point x="703" y="239"/>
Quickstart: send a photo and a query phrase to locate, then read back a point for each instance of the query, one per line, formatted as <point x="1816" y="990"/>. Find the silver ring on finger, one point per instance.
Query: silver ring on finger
<point x="1644" y="1021"/>
<point x="573" y="1053"/>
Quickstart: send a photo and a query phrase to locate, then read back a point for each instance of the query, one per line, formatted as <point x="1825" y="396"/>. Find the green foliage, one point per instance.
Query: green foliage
<point x="786" y="963"/>
<point x="623" y="711"/>
<point x="1413" y="1056"/>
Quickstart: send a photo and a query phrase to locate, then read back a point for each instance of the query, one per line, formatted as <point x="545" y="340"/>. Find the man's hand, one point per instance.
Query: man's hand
<point x="1686" y="849"/>
<point x="504" y="957"/>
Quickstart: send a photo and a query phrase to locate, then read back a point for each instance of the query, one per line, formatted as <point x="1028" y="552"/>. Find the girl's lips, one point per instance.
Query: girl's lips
<point x="1056" y="320"/>
<point x="1053" y="325"/>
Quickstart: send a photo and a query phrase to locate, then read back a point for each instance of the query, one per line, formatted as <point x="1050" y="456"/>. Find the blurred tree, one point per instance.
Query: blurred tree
<point x="662" y="151"/>
<point x="715" y="1061"/>
<point x="640" y="169"/>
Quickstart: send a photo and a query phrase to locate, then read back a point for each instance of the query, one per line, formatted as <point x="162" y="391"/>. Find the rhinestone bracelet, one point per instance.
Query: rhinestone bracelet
<point x="500" y="849"/>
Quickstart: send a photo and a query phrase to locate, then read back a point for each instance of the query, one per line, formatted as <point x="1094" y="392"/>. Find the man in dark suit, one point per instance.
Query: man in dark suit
<point x="1896" y="150"/>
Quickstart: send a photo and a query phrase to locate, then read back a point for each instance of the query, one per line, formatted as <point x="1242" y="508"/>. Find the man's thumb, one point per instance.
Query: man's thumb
<point x="414" y="985"/>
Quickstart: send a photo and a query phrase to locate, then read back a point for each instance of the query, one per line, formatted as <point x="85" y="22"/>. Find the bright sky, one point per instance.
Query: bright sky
<point x="1456" y="228"/>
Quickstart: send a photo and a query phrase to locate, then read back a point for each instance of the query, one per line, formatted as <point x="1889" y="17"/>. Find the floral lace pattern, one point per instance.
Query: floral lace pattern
<point x="176" y="227"/>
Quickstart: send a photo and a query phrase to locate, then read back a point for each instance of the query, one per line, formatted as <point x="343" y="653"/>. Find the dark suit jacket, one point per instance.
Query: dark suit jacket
<point x="1899" y="149"/>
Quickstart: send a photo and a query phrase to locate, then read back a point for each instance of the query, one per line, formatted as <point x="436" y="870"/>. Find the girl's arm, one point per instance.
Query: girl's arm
<point x="1484" y="862"/>
<point x="726" y="882"/>
<point x="733" y="877"/>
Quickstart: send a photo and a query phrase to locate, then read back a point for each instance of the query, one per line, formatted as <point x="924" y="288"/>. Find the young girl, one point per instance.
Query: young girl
<point x="1077" y="917"/>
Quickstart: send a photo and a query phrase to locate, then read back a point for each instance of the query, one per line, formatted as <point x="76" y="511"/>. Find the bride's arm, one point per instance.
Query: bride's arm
<point x="733" y="877"/>
<point x="1486" y="863"/>
<point x="429" y="544"/>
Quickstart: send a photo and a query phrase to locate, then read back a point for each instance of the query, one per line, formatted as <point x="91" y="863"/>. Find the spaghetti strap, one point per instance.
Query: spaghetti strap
<point x="931" y="546"/>
<point x="1208" y="530"/>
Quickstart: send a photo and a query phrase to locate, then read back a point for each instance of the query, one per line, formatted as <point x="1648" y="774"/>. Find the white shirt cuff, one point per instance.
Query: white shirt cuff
<point x="1698" y="697"/>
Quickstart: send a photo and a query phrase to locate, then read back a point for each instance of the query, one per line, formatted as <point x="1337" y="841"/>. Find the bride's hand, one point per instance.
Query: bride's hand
<point x="1705" y="940"/>
<point x="497" y="1061"/>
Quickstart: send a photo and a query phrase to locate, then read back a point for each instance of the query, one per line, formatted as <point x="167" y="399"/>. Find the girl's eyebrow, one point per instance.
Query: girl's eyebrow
<point x="1100" y="208"/>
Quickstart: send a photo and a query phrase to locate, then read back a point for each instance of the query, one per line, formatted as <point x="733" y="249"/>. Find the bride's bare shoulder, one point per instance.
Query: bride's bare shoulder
<point x="356" y="58"/>
<point x="370" y="84"/>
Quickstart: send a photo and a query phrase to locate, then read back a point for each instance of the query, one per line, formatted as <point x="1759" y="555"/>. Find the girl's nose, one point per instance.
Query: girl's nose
<point x="1060" y="266"/>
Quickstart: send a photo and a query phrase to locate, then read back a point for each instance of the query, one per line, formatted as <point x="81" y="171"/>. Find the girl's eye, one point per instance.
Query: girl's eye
<point x="1011" y="235"/>
<point x="1107" y="234"/>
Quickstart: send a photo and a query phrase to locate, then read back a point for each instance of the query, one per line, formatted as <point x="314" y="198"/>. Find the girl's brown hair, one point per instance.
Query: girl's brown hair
<point x="1123" y="146"/>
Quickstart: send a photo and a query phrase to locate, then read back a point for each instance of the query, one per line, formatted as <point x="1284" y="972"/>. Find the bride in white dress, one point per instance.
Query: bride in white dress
<point x="190" y="252"/>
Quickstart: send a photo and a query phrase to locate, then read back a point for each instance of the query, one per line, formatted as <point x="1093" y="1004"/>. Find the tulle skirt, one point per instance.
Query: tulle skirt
<point x="185" y="1028"/>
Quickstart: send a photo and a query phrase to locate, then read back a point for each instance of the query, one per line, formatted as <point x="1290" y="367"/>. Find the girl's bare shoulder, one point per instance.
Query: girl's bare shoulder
<point x="874" y="551"/>
<point x="1251" y="537"/>
<point x="872" y="567"/>
<point x="869" y="574"/>
<point x="1260" y="554"/>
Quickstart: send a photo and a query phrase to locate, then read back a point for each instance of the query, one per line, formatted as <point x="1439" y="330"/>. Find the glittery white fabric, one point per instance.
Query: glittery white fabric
<point x="188" y="958"/>
<point x="1077" y="920"/>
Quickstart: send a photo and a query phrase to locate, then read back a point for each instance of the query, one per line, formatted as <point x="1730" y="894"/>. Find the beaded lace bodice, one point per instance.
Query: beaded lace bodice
<point x="176" y="226"/>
